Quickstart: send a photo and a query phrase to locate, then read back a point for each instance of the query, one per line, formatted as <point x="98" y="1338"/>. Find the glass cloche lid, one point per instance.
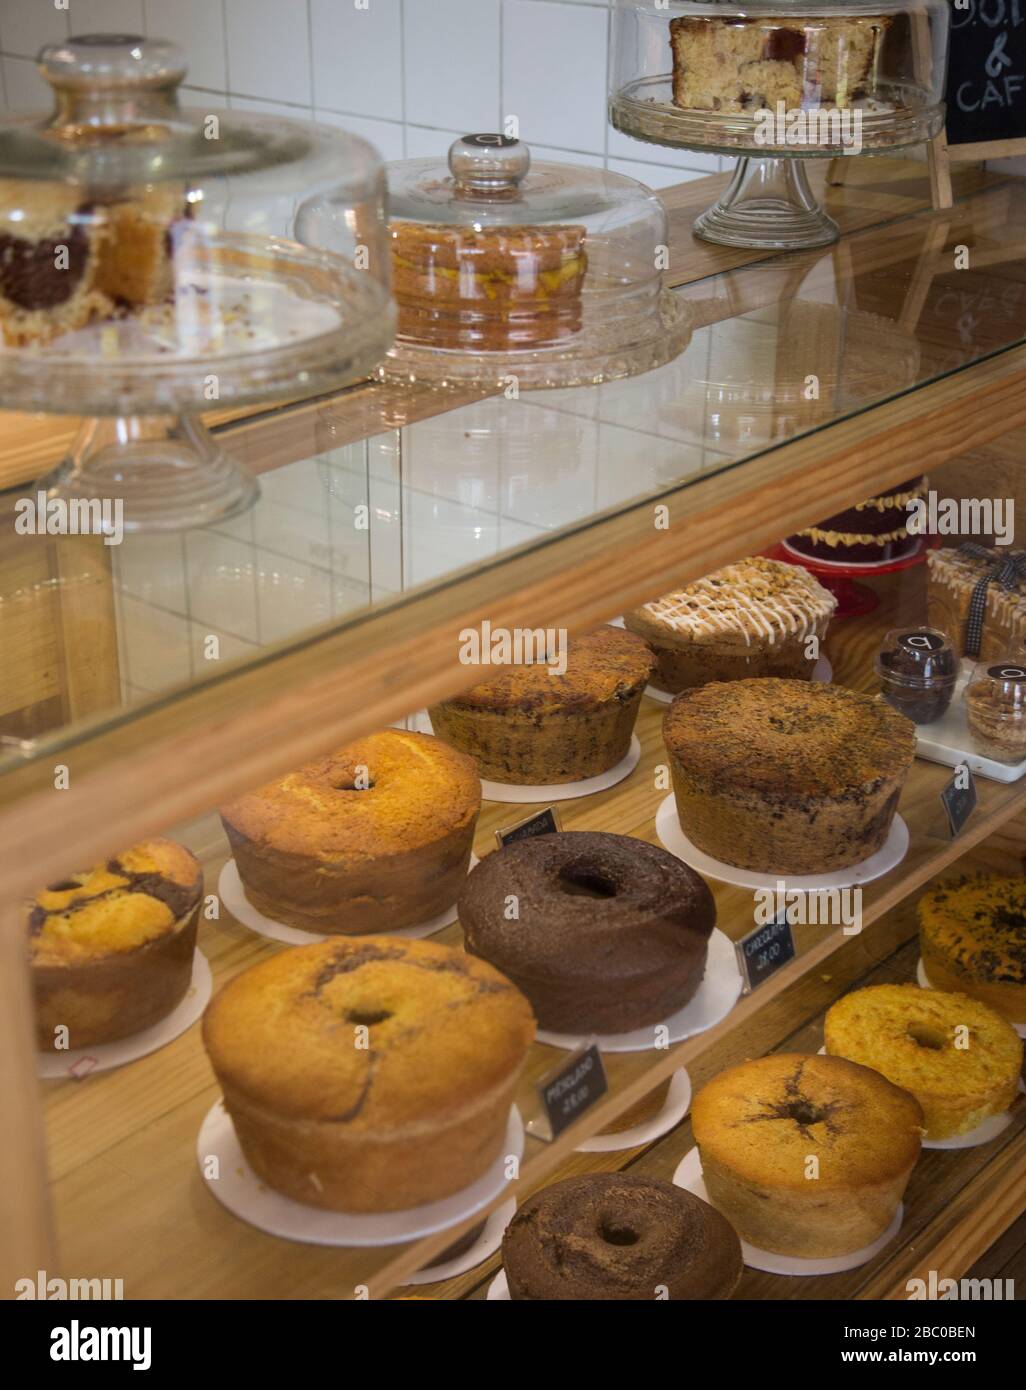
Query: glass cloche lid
<point x="545" y="273"/>
<point x="162" y="260"/>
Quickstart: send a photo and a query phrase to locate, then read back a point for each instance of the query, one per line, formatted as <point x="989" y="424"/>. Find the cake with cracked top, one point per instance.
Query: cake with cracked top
<point x="784" y="776"/>
<point x="972" y="934"/>
<point x="806" y="1155"/>
<point x="369" y="1075"/>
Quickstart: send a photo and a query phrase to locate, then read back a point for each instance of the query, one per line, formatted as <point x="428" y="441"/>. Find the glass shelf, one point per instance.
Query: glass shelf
<point x="361" y="512"/>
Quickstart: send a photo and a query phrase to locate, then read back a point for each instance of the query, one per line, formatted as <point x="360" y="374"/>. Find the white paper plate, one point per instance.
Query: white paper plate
<point x="714" y="999"/>
<point x="498" y="1289"/>
<point x="923" y="982"/>
<point x="78" y="1063"/>
<point x="672" y="837"/>
<point x="689" y="1176"/>
<point x="989" y="1129"/>
<point x="486" y="1244"/>
<point x="552" y="791"/>
<point x="948" y="740"/>
<point x="233" y="896"/>
<point x="240" y="1190"/>
<point x="822" y="674"/>
<point x="675" y="1107"/>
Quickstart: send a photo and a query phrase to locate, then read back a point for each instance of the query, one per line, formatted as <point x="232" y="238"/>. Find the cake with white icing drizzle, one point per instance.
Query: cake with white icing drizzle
<point x="757" y="617"/>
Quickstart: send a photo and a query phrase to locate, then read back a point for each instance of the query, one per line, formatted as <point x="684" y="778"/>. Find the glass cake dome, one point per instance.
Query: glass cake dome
<point x="539" y="274"/>
<point x="157" y="262"/>
<point x="773" y="81"/>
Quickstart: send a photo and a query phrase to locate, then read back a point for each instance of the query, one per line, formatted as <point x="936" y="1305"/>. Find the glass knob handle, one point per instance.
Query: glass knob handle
<point x="489" y="163"/>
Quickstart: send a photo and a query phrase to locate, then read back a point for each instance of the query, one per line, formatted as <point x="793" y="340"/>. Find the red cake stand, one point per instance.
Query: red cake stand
<point x="853" y="599"/>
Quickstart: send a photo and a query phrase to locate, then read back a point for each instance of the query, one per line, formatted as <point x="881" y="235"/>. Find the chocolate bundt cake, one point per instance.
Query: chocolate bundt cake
<point x="613" y="1236"/>
<point x="603" y="933"/>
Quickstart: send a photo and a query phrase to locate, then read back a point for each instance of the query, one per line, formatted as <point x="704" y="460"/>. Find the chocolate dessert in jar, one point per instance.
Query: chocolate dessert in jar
<point x="995" y="701"/>
<point x="918" y="670"/>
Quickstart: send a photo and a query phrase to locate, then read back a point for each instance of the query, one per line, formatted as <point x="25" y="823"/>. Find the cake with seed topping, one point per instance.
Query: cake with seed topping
<point x="784" y="776"/>
<point x="111" y="949"/>
<point x="752" y="618"/>
<point x="536" y="723"/>
<point x="972" y="934"/>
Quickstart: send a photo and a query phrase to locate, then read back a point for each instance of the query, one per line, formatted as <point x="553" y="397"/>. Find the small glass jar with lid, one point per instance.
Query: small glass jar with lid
<point x="777" y="82"/>
<point x="995" y="701"/>
<point x="508" y="269"/>
<point x="158" y="261"/>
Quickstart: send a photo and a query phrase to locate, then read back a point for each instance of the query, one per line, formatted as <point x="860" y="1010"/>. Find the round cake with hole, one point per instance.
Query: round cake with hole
<point x="959" y="1058"/>
<point x="618" y="1236"/>
<point x="369" y="1075"/>
<point x="374" y="837"/>
<point x="603" y="933"/>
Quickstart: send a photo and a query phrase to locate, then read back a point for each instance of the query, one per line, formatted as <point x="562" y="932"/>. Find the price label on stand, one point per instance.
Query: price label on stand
<point x="959" y="798"/>
<point x="570" y="1090"/>
<point x="762" y="952"/>
<point x="544" y="822"/>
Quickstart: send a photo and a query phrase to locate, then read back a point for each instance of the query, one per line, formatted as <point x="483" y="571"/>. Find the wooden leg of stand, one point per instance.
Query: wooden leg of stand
<point x="939" y="162"/>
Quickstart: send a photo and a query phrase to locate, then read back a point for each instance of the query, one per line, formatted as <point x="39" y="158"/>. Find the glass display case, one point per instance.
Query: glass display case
<point x="776" y="84"/>
<point x="395" y="517"/>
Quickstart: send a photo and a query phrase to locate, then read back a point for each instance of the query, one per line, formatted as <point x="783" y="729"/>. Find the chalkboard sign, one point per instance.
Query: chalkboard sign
<point x="762" y="952"/>
<point x="959" y="798"/>
<point x="569" y="1091"/>
<point x="544" y="822"/>
<point x="986" y="91"/>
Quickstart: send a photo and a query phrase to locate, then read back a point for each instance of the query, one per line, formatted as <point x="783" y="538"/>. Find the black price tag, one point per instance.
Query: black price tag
<point x="762" y="952"/>
<point x="567" y="1093"/>
<point x="959" y="798"/>
<point x="541" y="823"/>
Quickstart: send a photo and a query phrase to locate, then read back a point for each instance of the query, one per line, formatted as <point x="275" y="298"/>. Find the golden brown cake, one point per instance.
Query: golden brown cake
<point x="953" y="575"/>
<point x="374" y="837"/>
<point x="958" y="1057"/>
<point x="489" y="288"/>
<point x="111" y="950"/>
<point x="531" y="726"/>
<point x="733" y="63"/>
<point x="49" y="262"/>
<point x="136" y="265"/>
<point x="784" y="776"/>
<point x="753" y="618"/>
<point x="806" y="1155"/>
<point x="972" y="935"/>
<point x="619" y="1236"/>
<point x="369" y="1075"/>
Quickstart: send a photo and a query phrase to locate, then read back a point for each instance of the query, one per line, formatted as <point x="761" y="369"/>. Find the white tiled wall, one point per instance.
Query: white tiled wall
<point x="409" y="75"/>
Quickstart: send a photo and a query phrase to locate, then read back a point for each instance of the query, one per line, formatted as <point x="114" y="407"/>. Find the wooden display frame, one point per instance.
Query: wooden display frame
<point x="192" y="753"/>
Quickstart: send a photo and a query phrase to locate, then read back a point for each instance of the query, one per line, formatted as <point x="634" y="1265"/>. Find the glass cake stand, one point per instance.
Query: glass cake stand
<point x="157" y="263"/>
<point x="776" y="83"/>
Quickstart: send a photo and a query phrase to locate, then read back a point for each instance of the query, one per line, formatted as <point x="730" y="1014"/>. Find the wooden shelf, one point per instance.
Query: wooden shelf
<point x="127" y="1190"/>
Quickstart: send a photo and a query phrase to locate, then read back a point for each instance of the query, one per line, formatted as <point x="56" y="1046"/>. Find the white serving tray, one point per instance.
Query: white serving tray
<point x="948" y="740"/>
